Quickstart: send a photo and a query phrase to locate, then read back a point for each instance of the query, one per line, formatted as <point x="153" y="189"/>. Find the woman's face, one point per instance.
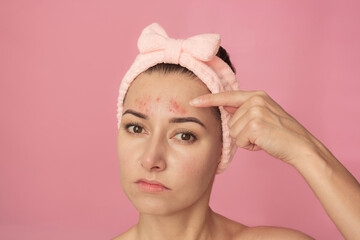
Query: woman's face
<point x="168" y="150"/>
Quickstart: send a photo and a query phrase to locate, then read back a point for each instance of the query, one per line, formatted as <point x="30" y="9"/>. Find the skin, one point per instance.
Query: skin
<point x="258" y="123"/>
<point x="158" y="153"/>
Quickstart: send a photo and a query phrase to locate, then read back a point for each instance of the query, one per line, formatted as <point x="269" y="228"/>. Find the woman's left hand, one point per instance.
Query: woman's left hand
<point x="258" y="122"/>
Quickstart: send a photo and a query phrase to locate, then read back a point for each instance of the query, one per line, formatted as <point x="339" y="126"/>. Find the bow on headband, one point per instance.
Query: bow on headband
<point x="154" y="38"/>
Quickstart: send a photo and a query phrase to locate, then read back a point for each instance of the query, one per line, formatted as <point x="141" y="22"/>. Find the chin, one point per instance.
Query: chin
<point x="154" y="206"/>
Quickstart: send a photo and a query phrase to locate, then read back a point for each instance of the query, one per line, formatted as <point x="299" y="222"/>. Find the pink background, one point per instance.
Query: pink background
<point x="61" y="63"/>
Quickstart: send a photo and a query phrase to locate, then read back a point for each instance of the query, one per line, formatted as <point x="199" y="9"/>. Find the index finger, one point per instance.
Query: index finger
<point x="229" y="98"/>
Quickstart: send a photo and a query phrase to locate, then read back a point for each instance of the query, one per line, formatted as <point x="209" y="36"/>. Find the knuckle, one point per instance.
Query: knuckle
<point x="257" y="100"/>
<point x="262" y="93"/>
<point x="255" y="125"/>
<point x="256" y="111"/>
<point x="232" y="133"/>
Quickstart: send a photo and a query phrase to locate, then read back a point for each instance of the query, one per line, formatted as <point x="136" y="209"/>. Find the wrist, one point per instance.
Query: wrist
<point x="313" y="160"/>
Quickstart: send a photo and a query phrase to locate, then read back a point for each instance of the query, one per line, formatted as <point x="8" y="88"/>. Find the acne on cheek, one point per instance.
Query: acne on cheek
<point x="174" y="107"/>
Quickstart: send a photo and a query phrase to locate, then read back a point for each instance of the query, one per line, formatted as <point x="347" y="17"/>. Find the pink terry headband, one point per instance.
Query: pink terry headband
<point x="198" y="54"/>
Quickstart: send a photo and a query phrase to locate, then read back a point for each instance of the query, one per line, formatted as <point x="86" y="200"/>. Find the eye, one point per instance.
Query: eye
<point x="134" y="128"/>
<point x="186" y="137"/>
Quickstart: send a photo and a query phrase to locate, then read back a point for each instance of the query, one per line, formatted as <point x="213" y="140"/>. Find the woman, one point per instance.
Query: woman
<point x="181" y="118"/>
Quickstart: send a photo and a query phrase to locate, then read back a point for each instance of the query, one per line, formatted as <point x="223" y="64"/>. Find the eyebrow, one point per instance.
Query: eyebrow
<point x="137" y="114"/>
<point x="172" y="120"/>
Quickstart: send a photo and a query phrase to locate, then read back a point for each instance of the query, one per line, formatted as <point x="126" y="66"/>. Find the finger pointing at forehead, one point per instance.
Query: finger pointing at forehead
<point x="230" y="99"/>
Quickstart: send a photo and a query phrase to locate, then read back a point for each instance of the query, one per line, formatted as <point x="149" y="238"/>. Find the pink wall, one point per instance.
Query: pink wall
<point x="61" y="63"/>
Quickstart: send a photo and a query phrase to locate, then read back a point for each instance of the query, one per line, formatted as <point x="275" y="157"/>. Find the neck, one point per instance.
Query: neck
<point x="194" y="222"/>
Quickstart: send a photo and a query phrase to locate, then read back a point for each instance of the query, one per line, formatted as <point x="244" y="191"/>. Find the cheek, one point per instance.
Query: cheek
<point x="193" y="177"/>
<point x="126" y="157"/>
<point x="197" y="167"/>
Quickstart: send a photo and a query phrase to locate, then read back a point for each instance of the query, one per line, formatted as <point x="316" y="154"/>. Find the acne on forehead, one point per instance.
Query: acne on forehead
<point x="174" y="107"/>
<point x="145" y="103"/>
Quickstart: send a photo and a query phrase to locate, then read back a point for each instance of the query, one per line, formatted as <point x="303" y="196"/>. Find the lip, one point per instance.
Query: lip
<point x="151" y="186"/>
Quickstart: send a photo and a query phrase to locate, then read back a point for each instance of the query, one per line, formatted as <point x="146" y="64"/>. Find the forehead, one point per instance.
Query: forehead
<point x="164" y="96"/>
<point x="170" y="85"/>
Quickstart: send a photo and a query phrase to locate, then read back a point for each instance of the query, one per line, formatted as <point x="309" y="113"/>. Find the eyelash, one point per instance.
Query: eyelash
<point x="133" y="124"/>
<point x="181" y="131"/>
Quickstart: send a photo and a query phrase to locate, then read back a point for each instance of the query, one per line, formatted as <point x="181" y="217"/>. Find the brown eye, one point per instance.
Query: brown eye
<point x="186" y="137"/>
<point x="135" y="129"/>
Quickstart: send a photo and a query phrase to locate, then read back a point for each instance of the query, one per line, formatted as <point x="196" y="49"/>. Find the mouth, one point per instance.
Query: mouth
<point x="151" y="186"/>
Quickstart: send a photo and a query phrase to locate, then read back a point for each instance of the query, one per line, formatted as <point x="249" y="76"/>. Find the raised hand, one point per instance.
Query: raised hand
<point x="258" y="122"/>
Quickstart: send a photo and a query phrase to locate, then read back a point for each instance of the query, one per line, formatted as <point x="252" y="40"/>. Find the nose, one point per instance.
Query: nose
<point x="153" y="158"/>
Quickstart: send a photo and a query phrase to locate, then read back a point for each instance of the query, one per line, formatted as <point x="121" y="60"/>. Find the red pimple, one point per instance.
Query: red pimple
<point x="143" y="103"/>
<point x="157" y="99"/>
<point x="175" y="107"/>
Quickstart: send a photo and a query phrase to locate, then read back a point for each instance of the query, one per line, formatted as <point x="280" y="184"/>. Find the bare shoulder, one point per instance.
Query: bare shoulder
<point x="128" y="235"/>
<point x="265" y="232"/>
<point x="225" y="228"/>
<point x="229" y="229"/>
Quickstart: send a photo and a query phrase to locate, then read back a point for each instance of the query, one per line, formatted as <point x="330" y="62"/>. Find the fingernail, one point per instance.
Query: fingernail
<point x="195" y="101"/>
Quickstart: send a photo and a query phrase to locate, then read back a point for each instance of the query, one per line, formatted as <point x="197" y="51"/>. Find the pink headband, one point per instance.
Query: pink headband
<point x="198" y="54"/>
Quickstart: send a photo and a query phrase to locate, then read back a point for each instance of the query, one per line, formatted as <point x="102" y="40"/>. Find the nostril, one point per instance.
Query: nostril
<point x="152" y="163"/>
